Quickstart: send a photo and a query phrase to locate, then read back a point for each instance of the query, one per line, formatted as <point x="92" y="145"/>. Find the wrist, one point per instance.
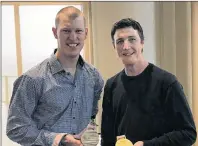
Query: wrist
<point x="63" y="140"/>
<point x="92" y="122"/>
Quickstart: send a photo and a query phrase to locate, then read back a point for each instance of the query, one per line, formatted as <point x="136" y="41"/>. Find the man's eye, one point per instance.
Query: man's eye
<point x="67" y="31"/>
<point x="79" y="31"/>
<point x="119" y="42"/>
<point x="132" y="39"/>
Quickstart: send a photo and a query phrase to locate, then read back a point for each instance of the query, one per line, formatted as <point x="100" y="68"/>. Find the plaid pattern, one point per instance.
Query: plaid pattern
<point x="47" y="100"/>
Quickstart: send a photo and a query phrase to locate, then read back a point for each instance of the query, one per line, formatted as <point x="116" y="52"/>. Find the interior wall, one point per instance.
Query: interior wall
<point x="195" y="62"/>
<point x="174" y="41"/>
<point x="168" y="42"/>
<point x="177" y="42"/>
<point x="104" y="14"/>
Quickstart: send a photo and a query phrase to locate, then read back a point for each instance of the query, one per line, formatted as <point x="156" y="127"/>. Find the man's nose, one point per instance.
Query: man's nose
<point x="126" y="45"/>
<point x="72" y="36"/>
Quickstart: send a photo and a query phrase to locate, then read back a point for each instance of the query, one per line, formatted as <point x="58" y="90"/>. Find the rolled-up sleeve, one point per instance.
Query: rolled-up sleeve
<point x="99" y="83"/>
<point x="21" y="128"/>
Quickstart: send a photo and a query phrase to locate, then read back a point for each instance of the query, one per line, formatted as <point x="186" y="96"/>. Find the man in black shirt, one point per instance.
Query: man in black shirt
<point x="143" y="102"/>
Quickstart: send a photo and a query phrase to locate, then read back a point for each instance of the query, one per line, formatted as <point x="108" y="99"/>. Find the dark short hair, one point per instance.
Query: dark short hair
<point x="127" y="22"/>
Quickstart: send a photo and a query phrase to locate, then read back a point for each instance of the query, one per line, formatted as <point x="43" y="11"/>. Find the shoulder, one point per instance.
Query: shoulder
<point x="163" y="75"/>
<point x="36" y="73"/>
<point x="92" y="72"/>
<point x="112" y="81"/>
<point x="90" y="68"/>
<point x="39" y="69"/>
<point x="165" y="78"/>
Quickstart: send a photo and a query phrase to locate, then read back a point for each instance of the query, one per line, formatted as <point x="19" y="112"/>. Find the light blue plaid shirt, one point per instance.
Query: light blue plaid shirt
<point x="46" y="100"/>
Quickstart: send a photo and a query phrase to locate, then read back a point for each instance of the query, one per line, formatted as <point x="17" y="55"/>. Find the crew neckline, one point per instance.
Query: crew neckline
<point x="139" y="75"/>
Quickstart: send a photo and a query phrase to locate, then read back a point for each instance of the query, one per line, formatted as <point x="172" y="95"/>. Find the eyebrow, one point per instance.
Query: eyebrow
<point x="132" y="37"/>
<point x="127" y="37"/>
<point x="66" y="28"/>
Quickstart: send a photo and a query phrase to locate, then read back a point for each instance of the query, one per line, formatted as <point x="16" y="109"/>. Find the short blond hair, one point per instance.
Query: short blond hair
<point x="70" y="12"/>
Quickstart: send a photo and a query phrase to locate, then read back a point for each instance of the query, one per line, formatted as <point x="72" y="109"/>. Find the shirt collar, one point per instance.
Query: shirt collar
<point x="56" y="66"/>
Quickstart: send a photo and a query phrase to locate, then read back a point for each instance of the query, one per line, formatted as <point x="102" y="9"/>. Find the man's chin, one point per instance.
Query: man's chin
<point x="73" y="55"/>
<point x="128" y="61"/>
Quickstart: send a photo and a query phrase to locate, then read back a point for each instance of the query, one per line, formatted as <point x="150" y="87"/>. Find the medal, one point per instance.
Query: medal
<point x="90" y="136"/>
<point x="123" y="141"/>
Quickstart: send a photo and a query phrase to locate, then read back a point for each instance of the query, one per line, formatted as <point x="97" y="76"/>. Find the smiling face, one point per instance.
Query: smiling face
<point x="70" y="34"/>
<point x="128" y="45"/>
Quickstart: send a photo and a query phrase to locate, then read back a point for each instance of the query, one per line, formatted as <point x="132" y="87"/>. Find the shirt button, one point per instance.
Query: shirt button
<point x="73" y="117"/>
<point x="74" y="101"/>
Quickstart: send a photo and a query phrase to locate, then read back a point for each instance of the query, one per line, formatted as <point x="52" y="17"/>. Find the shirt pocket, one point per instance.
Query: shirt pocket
<point x="52" y="105"/>
<point x="56" y="98"/>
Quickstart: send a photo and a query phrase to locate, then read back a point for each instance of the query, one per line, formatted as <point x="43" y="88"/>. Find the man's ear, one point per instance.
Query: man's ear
<point x="142" y="42"/>
<point x="86" y="32"/>
<point x="113" y="44"/>
<point x="54" y="30"/>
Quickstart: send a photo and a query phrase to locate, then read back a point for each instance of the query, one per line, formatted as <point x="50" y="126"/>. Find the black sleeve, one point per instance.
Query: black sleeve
<point x="184" y="133"/>
<point x="107" y="126"/>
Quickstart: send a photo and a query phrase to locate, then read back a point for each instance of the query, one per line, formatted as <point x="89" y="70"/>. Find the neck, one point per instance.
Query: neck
<point x="67" y="62"/>
<point x="137" y="68"/>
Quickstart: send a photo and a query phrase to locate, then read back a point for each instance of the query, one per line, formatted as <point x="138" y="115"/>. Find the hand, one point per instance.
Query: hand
<point x="78" y="136"/>
<point x="89" y="126"/>
<point x="139" y="143"/>
<point x="72" y="141"/>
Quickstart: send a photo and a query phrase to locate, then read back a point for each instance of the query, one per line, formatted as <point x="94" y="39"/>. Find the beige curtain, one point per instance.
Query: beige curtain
<point x="195" y="62"/>
<point x="176" y="26"/>
<point x="177" y="47"/>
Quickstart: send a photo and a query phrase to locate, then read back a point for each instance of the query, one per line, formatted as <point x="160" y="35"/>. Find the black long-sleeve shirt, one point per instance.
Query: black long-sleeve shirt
<point x="150" y="107"/>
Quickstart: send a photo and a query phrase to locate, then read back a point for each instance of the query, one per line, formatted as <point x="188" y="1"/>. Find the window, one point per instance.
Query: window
<point x="27" y="40"/>
<point x="9" y="64"/>
<point x="37" y="40"/>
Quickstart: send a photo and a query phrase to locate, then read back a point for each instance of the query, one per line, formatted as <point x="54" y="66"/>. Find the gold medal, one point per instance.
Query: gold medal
<point x="123" y="141"/>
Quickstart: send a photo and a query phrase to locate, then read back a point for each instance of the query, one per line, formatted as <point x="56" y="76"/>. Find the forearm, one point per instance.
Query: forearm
<point x="180" y="120"/>
<point x="30" y="135"/>
<point x="175" y="138"/>
<point x="95" y="108"/>
<point x="107" y="132"/>
<point x="21" y="128"/>
<point x="99" y="83"/>
<point x="108" y="136"/>
<point x="107" y="143"/>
